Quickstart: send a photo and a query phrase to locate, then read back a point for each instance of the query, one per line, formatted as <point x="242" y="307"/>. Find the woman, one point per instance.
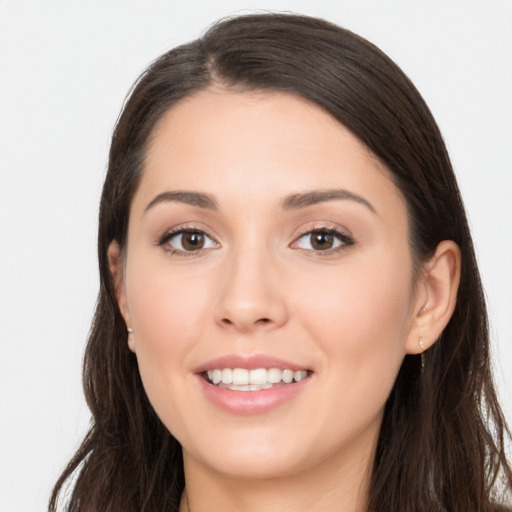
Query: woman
<point x="290" y="314"/>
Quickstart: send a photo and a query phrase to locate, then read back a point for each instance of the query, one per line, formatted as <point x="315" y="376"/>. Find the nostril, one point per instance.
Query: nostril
<point x="260" y="321"/>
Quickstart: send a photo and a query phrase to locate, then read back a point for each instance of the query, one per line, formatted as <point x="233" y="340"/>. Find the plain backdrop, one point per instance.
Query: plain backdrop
<point x="65" y="67"/>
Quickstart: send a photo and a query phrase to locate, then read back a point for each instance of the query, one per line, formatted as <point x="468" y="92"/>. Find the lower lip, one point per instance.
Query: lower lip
<point x="251" y="402"/>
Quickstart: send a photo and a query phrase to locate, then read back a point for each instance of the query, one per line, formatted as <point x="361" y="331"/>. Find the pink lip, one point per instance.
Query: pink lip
<point x="250" y="402"/>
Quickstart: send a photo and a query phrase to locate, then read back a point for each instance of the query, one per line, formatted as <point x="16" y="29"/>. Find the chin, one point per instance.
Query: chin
<point x="251" y="463"/>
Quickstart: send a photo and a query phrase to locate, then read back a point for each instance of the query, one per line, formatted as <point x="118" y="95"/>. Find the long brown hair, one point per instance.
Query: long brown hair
<point x="442" y="441"/>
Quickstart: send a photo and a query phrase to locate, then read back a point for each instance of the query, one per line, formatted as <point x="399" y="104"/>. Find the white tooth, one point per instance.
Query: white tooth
<point x="240" y="377"/>
<point x="304" y="374"/>
<point x="239" y="388"/>
<point x="274" y="375"/>
<point x="227" y="376"/>
<point x="217" y="376"/>
<point x="287" y="376"/>
<point x="299" y="375"/>
<point x="258" y="376"/>
<point x="257" y="387"/>
<point x="210" y="374"/>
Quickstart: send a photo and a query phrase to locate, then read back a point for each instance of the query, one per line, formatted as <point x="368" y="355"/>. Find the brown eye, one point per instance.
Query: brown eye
<point x="321" y="241"/>
<point x="192" y="241"/>
<point x="187" y="241"/>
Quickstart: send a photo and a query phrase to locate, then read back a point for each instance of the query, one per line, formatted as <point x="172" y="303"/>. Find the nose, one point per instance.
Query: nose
<point x="251" y="294"/>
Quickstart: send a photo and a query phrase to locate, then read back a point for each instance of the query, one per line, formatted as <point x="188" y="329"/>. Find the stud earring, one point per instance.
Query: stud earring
<point x="130" y="330"/>
<point x="420" y="343"/>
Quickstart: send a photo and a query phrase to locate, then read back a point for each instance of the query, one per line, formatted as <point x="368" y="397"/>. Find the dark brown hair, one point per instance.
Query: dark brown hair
<point x="442" y="441"/>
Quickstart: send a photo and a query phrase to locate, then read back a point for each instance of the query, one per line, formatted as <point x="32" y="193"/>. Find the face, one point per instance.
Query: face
<point x="265" y="236"/>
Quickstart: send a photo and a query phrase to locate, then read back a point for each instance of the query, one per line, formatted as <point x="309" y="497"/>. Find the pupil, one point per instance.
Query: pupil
<point x="193" y="241"/>
<point x="322" y="241"/>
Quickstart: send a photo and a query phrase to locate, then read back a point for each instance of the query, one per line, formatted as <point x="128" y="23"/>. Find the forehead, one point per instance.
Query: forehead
<point x="257" y="144"/>
<point x="258" y="119"/>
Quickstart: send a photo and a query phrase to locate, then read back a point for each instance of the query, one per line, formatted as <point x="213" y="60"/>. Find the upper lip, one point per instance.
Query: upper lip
<point x="250" y="362"/>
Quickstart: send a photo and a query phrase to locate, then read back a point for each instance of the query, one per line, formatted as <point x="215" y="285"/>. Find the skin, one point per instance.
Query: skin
<point x="349" y="314"/>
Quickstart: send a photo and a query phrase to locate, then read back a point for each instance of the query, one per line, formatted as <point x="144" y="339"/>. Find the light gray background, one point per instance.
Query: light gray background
<point x="65" y="67"/>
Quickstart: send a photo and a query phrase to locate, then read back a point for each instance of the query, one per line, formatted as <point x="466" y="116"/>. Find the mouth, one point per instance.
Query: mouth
<point x="257" y="379"/>
<point x="252" y="384"/>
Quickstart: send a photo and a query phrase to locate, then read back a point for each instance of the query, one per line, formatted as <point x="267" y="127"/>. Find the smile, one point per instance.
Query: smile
<point x="252" y="384"/>
<point x="243" y="379"/>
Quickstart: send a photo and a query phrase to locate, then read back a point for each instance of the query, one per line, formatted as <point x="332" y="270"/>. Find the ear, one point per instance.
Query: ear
<point x="436" y="297"/>
<point x="115" y="263"/>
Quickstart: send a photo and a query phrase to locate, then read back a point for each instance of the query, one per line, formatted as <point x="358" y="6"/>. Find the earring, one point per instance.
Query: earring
<point x="422" y="346"/>
<point x="131" y="339"/>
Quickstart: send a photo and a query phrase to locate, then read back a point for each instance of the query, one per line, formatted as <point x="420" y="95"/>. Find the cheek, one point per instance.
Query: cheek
<point x="361" y="319"/>
<point x="163" y="303"/>
<point x="165" y="310"/>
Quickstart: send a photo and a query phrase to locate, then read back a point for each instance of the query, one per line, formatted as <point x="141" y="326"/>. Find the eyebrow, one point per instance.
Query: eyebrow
<point x="182" y="196"/>
<point x="303" y="200"/>
<point x="292" y="202"/>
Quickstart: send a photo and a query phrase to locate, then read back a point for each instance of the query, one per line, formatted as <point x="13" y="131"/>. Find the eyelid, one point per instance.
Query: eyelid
<point x="342" y="234"/>
<point x="182" y="229"/>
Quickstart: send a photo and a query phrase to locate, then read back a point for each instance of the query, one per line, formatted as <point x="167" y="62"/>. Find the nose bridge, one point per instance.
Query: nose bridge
<point x="250" y="295"/>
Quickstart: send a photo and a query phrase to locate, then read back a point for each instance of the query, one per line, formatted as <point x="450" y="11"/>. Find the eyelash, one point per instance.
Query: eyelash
<point x="343" y="238"/>
<point x="183" y="230"/>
